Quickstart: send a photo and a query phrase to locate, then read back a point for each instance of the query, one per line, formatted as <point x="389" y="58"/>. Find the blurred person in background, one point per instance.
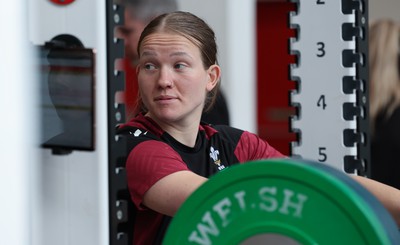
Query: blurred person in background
<point x="137" y="14"/>
<point x="384" y="71"/>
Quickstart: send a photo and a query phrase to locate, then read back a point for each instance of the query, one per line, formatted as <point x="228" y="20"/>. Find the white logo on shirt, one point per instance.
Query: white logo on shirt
<point x="137" y="132"/>
<point x="214" y="155"/>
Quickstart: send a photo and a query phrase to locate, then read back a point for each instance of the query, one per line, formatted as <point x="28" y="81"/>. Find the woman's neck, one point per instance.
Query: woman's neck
<point x="187" y="137"/>
<point x="184" y="132"/>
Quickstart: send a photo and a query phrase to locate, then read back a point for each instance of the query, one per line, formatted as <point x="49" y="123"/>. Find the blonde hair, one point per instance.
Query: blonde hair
<point x="384" y="68"/>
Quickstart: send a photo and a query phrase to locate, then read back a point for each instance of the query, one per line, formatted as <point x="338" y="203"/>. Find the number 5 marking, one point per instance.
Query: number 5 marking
<point x="322" y="154"/>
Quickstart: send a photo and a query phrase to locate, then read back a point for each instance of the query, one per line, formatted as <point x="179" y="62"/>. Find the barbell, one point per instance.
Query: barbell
<point x="282" y="201"/>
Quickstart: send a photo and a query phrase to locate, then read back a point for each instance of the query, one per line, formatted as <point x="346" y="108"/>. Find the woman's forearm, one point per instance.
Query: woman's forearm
<point x="389" y="196"/>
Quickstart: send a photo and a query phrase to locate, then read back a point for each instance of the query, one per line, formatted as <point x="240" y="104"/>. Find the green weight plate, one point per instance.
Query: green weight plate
<point x="287" y="200"/>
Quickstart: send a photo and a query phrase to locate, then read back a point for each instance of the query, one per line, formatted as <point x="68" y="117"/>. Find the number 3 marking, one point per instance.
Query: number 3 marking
<point x="321" y="49"/>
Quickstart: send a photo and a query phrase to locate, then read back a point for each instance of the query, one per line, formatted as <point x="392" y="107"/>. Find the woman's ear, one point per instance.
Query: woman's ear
<point x="137" y="70"/>
<point x="214" y="74"/>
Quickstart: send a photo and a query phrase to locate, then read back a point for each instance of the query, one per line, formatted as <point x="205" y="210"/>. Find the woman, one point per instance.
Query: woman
<point x="384" y="54"/>
<point x="172" y="153"/>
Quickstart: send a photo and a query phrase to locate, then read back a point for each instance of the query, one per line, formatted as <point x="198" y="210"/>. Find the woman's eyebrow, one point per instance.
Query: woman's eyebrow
<point x="180" y="53"/>
<point x="149" y="53"/>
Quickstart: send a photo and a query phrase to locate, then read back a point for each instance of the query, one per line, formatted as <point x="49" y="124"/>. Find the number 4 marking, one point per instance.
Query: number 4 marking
<point x="321" y="102"/>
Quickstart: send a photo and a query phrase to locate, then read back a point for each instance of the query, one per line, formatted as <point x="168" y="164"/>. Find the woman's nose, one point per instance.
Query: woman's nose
<point x="165" y="78"/>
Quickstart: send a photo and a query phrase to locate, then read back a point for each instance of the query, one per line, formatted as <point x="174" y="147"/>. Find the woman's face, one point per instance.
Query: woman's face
<point x="172" y="79"/>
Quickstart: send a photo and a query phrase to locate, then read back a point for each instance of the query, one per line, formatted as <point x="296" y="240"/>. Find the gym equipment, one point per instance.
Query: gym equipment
<point x="332" y="123"/>
<point x="282" y="201"/>
<point x="331" y="74"/>
<point x="120" y="205"/>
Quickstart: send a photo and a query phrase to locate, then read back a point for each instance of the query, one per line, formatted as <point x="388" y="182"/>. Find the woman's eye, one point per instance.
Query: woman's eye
<point x="149" y="67"/>
<point x="179" y="66"/>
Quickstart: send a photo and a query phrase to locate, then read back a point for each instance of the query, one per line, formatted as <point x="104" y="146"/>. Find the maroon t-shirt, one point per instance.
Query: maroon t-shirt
<point x="155" y="154"/>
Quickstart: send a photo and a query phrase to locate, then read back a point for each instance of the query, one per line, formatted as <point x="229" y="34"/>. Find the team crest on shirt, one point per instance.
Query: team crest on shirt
<point x="214" y="155"/>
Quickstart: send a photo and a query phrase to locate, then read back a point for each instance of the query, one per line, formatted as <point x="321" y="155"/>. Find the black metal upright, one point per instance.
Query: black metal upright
<point x="359" y="84"/>
<point x="332" y="121"/>
<point x="120" y="214"/>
